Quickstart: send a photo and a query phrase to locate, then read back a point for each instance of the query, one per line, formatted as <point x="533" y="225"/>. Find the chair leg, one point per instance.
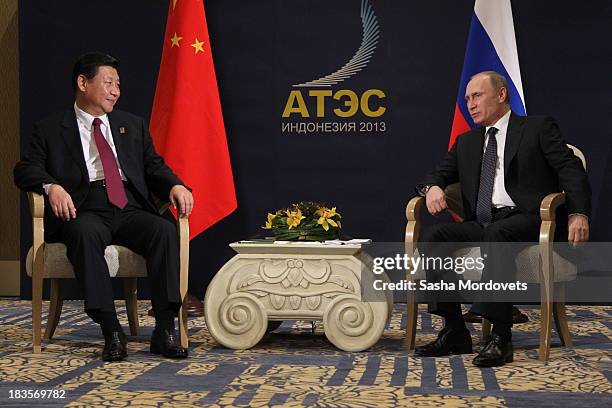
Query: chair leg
<point x="546" y="300"/>
<point x="412" y="308"/>
<point x="56" y="302"/>
<point x="560" y="316"/>
<point x="182" y="321"/>
<point x="546" y="304"/>
<point x="545" y="329"/>
<point x="561" y="324"/>
<point x="486" y="329"/>
<point x="130" y="290"/>
<point x="37" y="289"/>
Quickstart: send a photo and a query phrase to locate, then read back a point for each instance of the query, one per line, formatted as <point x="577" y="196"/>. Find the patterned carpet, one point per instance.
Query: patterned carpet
<point x="294" y="367"/>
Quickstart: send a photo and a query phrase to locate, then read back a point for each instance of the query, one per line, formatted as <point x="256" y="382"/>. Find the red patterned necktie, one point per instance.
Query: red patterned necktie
<point x="114" y="186"/>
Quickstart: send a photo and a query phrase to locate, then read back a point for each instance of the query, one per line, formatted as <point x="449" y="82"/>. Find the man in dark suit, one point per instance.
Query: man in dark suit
<point x="505" y="167"/>
<point x="99" y="171"/>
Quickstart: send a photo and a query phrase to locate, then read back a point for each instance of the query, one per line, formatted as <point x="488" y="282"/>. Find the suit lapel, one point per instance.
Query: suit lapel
<point x="473" y="144"/>
<point x="72" y="138"/>
<point x="514" y="135"/>
<point x="118" y="129"/>
<point x="475" y="152"/>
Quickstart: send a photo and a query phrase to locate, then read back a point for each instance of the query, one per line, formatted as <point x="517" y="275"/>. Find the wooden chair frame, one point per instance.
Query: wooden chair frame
<point x="548" y="306"/>
<point x="129" y="284"/>
<point x="552" y="296"/>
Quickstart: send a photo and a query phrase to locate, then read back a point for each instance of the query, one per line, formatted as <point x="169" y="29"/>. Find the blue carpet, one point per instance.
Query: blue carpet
<point x="293" y="366"/>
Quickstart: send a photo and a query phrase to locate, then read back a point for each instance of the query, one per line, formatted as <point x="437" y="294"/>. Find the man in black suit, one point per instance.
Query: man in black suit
<point x="98" y="170"/>
<point x="505" y="167"/>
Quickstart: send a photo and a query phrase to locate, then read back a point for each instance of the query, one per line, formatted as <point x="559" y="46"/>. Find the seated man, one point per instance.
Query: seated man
<point x="98" y="170"/>
<point x="505" y="167"/>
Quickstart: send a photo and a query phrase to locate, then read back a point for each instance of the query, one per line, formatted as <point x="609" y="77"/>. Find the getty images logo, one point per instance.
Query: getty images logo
<point x="345" y="103"/>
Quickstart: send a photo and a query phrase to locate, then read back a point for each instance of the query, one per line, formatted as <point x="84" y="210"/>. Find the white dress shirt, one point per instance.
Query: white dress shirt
<point x="90" y="150"/>
<point x="88" y="143"/>
<point x="500" y="195"/>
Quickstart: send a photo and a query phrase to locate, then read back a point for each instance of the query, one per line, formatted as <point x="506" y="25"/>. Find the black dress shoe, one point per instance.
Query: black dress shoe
<point x="496" y="352"/>
<point x="115" y="346"/>
<point x="472" y="317"/>
<point x="517" y="317"/>
<point x="166" y="342"/>
<point x="449" y="341"/>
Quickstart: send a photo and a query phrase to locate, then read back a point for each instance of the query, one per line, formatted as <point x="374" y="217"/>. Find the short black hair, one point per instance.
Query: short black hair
<point x="88" y="64"/>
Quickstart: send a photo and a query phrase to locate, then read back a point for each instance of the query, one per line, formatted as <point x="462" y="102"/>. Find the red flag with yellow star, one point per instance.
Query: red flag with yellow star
<point x="186" y="120"/>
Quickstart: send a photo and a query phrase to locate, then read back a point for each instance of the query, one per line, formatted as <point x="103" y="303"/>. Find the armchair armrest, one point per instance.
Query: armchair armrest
<point x="413" y="226"/>
<point x="416" y="204"/>
<point x="37" y="204"/>
<point x="413" y="229"/>
<point x="182" y="224"/>
<point x="454" y="201"/>
<point x="162" y="207"/>
<point x="548" y="207"/>
<point x="37" y="209"/>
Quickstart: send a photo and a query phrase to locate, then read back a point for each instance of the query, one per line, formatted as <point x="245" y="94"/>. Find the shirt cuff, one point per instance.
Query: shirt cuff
<point x="422" y="189"/>
<point x="582" y="215"/>
<point x="46" y="187"/>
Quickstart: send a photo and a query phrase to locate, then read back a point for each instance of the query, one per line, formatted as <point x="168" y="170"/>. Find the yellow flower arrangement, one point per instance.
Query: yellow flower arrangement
<point x="270" y="220"/>
<point x="304" y="221"/>
<point x="294" y="218"/>
<point x="326" y="218"/>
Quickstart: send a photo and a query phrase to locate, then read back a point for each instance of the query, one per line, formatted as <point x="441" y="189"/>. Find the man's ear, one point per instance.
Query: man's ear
<point x="503" y="94"/>
<point x="81" y="82"/>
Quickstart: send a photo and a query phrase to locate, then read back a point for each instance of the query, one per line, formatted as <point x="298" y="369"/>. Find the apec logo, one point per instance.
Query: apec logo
<point x="341" y="103"/>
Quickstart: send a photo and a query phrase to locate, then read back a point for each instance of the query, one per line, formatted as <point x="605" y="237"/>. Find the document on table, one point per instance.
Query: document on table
<point x="354" y="241"/>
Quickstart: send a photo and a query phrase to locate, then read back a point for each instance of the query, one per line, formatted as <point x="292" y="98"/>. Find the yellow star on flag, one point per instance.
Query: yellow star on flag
<point x="197" y="45"/>
<point x="173" y="4"/>
<point x="175" y="40"/>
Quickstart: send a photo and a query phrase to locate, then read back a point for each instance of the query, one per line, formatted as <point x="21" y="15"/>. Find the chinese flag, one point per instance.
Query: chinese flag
<point x="186" y="121"/>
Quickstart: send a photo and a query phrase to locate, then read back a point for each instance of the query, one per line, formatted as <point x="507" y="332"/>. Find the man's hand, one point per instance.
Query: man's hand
<point x="181" y="199"/>
<point x="435" y="200"/>
<point x="578" y="227"/>
<point x="61" y="203"/>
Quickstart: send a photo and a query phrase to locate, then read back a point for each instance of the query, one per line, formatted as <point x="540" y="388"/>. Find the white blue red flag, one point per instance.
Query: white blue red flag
<point x="491" y="46"/>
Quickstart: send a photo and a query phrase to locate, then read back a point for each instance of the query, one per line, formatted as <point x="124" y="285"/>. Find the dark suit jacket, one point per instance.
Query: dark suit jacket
<point x="55" y="155"/>
<point x="537" y="162"/>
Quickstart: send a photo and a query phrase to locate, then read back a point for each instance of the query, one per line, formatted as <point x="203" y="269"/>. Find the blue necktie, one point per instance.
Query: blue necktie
<point x="487" y="177"/>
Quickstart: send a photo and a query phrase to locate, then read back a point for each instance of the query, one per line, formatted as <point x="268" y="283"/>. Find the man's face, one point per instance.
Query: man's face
<point x="485" y="104"/>
<point x="99" y="94"/>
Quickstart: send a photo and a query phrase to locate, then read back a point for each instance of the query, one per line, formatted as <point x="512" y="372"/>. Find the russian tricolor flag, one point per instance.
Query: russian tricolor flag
<point x="491" y="46"/>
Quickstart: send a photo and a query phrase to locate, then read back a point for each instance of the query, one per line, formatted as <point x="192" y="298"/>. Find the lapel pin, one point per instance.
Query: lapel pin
<point x="122" y="130"/>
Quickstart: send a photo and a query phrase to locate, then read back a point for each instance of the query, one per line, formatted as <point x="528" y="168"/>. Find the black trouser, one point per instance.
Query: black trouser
<point x="507" y="226"/>
<point x="99" y="224"/>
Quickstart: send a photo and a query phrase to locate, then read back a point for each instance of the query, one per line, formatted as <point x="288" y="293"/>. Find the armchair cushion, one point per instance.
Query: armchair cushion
<point x="122" y="262"/>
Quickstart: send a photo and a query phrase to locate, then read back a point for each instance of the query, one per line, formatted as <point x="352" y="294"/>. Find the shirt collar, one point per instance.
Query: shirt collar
<point x="502" y="123"/>
<point x="87" y="119"/>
